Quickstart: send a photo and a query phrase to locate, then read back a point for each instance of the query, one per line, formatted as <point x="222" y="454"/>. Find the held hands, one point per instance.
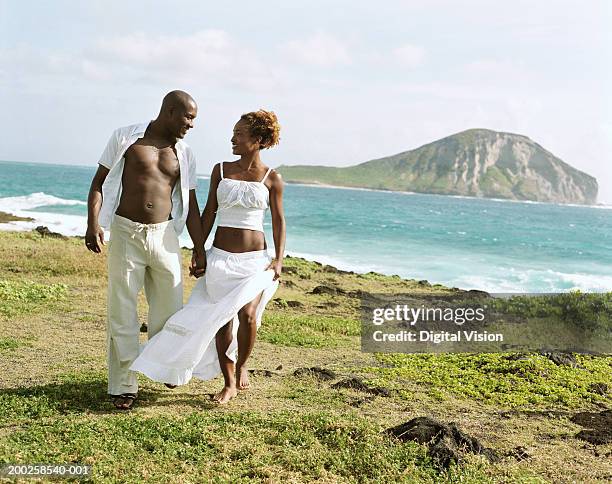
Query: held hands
<point x="277" y="267"/>
<point x="94" y="238"/>
<point x="198" y="264"/>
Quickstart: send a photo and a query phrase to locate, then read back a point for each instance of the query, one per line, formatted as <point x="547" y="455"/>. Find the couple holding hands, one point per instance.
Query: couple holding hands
<point x="144" y="192"/>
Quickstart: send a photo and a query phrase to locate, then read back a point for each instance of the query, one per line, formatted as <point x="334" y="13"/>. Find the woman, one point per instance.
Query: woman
<point x="225" y="309"/>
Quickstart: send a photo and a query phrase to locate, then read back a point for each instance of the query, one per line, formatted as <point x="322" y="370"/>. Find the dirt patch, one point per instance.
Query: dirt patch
<point x="447" y="443"/>
<point x="331" y="290"/>
<point x="322" y="374"/>
<point x="597" y="426"/>
<point x="358" y="384"/>
<point x="560" y="359"/>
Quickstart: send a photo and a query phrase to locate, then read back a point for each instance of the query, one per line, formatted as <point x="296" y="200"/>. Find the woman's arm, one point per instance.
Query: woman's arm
<point x="210" y="210"/>
<point x="278" y="222"/>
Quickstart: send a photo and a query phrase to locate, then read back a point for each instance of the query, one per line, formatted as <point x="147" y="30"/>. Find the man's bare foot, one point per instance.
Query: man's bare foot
<point x="225" y="395"/>
<point x="242" y="376"/>
<point x="124" y="401"/>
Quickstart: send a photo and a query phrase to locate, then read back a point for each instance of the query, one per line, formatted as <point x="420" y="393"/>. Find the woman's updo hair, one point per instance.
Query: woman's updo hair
<point x="263" y="124"/>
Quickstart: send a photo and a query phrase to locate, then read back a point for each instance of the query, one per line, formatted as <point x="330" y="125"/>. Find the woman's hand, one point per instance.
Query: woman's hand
<point x="277" y="267"/>
<point x="198" y="264"/>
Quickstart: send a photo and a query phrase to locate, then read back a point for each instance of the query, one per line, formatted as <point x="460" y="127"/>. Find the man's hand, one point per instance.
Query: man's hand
<point x="198" y="264"/>
<point x="277" y="267"/>
<point x="94" y="237"/>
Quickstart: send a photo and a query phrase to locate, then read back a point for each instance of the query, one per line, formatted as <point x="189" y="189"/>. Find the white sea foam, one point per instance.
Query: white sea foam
<point x="339" y="263"/>
<point x="34" y="200"/>
<point x="532" y="280"/>
<point x="56" y="222"/>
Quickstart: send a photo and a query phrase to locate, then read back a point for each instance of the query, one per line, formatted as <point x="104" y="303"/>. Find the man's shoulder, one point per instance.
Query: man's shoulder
<point x="183" y="146"/>
<point x="132" y="129"/>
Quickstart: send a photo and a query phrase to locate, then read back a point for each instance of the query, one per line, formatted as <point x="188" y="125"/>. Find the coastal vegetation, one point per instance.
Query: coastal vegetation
<point x="319" y="407"/>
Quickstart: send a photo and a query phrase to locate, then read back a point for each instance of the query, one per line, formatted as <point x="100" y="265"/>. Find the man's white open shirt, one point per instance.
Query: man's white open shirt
<point x="113" y="159"/>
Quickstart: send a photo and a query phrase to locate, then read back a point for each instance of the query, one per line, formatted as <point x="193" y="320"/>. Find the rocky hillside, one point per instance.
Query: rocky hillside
<point x="476" y="162"/>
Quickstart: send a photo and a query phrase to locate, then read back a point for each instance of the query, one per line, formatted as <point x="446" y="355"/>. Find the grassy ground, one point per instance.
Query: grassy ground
<point x="54" y="408"/>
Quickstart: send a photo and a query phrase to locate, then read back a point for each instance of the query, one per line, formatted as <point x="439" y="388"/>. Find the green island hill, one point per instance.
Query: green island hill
<point x="476" y="163"/>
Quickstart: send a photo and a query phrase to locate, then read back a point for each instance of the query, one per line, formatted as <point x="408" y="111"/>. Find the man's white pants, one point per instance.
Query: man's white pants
<point x="139" y="255"/>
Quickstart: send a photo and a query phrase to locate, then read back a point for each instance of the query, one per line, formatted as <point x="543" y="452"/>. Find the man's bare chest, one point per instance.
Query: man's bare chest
<point x="148" y="159"/>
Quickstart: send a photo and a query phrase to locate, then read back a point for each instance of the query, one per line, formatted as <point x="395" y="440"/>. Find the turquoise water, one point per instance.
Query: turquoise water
<point x="493" y="245"/>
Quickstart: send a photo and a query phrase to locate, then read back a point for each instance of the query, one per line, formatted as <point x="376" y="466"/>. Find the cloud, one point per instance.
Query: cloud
<point x="320" y="50"/>
<point x="208" y="57"/>
<point x="409" y="55"/>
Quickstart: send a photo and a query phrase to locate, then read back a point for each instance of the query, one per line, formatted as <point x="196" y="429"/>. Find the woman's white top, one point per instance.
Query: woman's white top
<point x="242" y="204"/>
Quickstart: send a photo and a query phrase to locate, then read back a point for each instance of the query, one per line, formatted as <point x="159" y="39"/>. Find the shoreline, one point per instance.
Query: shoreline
<point x="600" y="206"/>
<point x="9" y="223"/>
<point x="201" y="176"/>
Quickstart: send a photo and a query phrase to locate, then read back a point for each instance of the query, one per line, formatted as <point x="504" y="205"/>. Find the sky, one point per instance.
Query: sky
<point x="349" y="81"/>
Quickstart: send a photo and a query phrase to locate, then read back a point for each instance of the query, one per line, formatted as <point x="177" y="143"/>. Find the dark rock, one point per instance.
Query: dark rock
<point x="599" y="388"/>
<point x="598" y="426"/>
<point x="559" y="359"/>
<point x="476" y="292"/>
<point x="45" y="232"/>
<point x="446" y="442"/>
<point x="143" y="328"/>
<point x="289" y="284"/>
<point x="358" y="402"/>
<point x="519" y="453"/>
<point x="279" y="367"/>
<point x="316" y="372"/>
<point x="361" y="294"/>
<point x="423" y="282"/>
<point x="331" y="269"/>
<point x="280" y="302"/>
<point x="290" y="270"/>
<point x="517" y="357"/>
<point x="355" y="383"/>
<point x="294" y="304"/>
<point x="266" y="373"/>
<point x="331" y="290"/>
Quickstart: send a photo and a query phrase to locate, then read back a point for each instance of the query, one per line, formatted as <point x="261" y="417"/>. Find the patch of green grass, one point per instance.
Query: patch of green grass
<point x="72" y="394"/>
<point x="29" y="253"/>
<point x="303" y="268"/>
<point x="494" y="379"/>
<point x="21" y="297"/>
<point x="290" y="329"/>
<point x="8" y="344"/>
<point x="240" y="447"/>
<point x="9" y="217"/>
<point x="588" y="311"/>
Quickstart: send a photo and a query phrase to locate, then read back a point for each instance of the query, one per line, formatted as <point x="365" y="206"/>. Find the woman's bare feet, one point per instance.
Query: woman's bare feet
<point x="242" y="376"/>
<point x="226" y="394"/>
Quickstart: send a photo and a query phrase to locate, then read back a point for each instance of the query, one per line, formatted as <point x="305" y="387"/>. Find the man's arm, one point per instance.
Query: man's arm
<point x="194" y="227"/>
<point x="94" y="237"/>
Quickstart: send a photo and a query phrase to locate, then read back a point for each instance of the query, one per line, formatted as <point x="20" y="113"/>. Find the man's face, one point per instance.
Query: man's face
<point x="181" y="119"/>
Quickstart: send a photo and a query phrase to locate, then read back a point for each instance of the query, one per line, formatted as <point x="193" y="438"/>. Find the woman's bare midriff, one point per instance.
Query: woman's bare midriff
<point x="232" y="239"/>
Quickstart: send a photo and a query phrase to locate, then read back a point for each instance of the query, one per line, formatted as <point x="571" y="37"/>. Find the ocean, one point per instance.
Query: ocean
<point x="492" y="245"/>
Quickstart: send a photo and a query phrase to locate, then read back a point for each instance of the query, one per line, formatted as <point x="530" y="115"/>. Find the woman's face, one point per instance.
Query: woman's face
<point x="242" y="141"/>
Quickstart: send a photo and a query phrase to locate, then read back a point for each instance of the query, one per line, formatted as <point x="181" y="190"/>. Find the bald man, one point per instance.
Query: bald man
<point x="144" y="192"/>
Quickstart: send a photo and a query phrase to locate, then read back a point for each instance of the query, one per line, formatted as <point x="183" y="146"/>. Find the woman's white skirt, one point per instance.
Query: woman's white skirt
<point x="186" y="346"/>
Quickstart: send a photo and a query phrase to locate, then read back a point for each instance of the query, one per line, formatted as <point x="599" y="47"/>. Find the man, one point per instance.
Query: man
<point x="144" y="191"/>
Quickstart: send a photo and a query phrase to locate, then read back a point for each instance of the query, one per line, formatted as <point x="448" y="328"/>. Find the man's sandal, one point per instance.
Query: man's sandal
<point x="170" y="386"/>
<point x="125" y="401"/>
